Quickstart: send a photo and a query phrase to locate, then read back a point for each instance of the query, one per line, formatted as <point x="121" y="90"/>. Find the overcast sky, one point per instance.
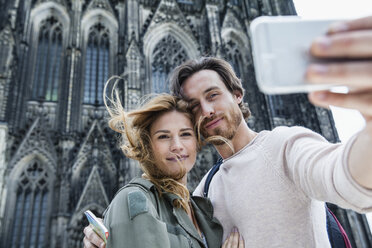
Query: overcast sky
<point x="333" y="8"/>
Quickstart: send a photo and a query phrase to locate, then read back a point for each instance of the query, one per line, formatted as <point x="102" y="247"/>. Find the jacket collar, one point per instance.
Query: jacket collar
<point x="143" y="182"/>
<point x="204" y="213"/>
<point x="181" y="215"/>
<point x="148" y="185"/>
<point x="185" y="222"/>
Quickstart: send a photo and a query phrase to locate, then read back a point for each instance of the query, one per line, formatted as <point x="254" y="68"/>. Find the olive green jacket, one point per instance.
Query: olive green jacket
<point x="139" y="217"/>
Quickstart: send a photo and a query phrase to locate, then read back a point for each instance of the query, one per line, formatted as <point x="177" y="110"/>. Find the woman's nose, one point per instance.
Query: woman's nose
<point x="176" y="145"/>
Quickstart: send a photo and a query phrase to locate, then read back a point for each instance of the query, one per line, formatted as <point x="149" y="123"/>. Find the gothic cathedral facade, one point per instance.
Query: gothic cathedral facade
<point x="58" y="157"/>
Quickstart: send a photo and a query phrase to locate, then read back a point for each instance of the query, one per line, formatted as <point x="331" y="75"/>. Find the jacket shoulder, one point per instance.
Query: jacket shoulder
<point x="135" y="198"/>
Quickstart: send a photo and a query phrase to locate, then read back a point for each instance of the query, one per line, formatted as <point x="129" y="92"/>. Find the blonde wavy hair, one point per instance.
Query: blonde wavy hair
<point x="135" y="139"/>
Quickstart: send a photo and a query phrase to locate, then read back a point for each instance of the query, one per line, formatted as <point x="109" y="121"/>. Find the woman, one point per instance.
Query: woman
<point x="157" y="210"/>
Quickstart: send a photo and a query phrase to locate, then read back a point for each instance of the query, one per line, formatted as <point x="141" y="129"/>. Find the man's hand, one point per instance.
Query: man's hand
<point x="347" y="40"/>
<point x="91" y="239"/>
<point x="352" y="42"/>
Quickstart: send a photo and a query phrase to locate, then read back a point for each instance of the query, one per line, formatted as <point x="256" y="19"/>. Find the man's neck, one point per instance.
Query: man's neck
<point x="243" y="136"/>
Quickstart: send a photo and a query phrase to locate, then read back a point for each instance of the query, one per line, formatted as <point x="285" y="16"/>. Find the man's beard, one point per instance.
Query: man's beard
<point x="233" y="121"/>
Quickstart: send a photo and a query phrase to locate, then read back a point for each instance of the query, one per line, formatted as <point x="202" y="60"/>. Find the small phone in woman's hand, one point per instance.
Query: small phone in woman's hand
<point x="97" y="225"/>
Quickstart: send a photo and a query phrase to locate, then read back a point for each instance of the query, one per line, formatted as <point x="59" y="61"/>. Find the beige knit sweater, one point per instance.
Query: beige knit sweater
<point x="273" y="190"/>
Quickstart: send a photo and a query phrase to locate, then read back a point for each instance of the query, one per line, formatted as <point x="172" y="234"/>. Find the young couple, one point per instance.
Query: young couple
<point x="271" y="185"/>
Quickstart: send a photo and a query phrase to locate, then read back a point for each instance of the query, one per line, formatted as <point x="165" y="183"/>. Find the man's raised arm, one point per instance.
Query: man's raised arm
<point x="348" y="40"/>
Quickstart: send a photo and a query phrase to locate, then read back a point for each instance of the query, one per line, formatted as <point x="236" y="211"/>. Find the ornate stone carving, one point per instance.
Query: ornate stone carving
<point x="100" y="4"/>
<point x="94" y="145"/>
<point x="6" y="48"/>
<point x="167" y="54"/>
<point x="36" y="139"/>
<point x="230" y="21"/>
<point x="168" y="11"/>
<point x="94" y="192"/>
<point x="61" y="2"/>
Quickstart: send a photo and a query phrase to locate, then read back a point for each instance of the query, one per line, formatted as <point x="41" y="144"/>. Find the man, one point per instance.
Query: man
<point x="272" y="185"/>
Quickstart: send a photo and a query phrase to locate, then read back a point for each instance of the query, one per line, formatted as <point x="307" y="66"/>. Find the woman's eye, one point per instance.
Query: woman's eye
<point x="163" y="136"/>
<point x="186" y="134"/>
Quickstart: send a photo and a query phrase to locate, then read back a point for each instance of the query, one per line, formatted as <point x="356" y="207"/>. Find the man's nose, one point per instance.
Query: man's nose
<point x="207" y="110"/>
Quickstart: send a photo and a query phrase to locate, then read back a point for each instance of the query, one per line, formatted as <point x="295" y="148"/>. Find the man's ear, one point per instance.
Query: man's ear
<point x="238" y="96"/>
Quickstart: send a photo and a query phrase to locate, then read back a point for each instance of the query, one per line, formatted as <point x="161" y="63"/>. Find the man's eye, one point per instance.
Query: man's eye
<point x="213" y="95"/>
<point x="194" y="106"/>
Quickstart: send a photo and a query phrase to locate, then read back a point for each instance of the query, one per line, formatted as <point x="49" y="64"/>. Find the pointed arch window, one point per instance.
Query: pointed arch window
<point x="96" y="64"/>
<point x="167" y="54"/>
<point x="234" y="57"/>
<point x="31" y="213"/>
<point x="48" y="61"/>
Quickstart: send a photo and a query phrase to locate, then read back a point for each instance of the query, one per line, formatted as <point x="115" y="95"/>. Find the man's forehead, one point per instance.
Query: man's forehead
<point x="201" y="91"/>
<point x="183" y="94"/>
<point x="190" y="90"/>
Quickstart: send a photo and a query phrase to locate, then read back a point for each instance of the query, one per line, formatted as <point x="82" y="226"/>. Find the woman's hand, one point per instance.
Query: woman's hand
<point x="91" y="238"/>
<point x="235" y="240"/>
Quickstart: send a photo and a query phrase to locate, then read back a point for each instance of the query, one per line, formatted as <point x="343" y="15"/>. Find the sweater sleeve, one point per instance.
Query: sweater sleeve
<point x="131" y="221"/>
<point x="318" y="168"/>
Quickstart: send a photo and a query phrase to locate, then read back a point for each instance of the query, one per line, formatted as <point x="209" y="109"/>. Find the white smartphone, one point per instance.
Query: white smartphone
<point x="281" y="54"/>
<point x="98" y="226"/>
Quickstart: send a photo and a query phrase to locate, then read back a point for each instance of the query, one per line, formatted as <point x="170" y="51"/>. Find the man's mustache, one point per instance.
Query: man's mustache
<point x="206" y="120"/>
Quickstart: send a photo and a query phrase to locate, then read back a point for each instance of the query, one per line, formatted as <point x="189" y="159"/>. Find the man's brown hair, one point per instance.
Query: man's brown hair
<point x="223" y="69"/>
